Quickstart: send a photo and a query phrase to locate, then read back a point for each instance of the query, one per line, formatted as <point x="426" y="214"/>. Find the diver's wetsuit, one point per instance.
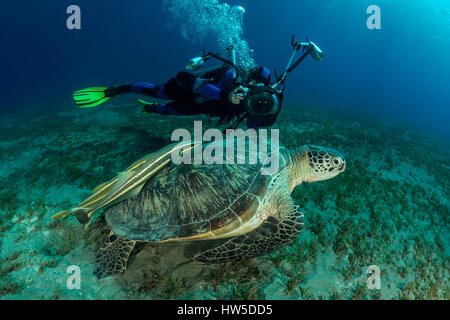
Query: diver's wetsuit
<point x="196" y="95"/>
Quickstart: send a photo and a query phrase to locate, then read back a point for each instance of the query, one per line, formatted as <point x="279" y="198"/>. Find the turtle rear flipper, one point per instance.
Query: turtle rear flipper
<point x="270" y="236"/>
<point x="112" y="258"/>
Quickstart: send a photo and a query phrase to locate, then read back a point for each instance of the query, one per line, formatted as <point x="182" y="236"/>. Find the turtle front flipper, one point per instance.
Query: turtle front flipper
<point x="112" y="258"/>
<point x="270" y="236"/>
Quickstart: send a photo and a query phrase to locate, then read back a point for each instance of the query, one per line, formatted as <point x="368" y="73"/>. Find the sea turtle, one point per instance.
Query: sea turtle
<point x="250" y="210"/>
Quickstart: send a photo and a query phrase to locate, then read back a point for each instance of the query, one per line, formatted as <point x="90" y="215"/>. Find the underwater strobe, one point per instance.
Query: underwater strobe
<point x="196" y="63"/>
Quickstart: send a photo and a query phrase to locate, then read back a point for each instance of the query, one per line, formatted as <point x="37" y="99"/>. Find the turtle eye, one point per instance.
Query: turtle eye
<point x="336" y="162"/>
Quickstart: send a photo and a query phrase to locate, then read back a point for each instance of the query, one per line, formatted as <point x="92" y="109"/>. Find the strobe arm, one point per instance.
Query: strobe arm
<point x="304" y="55"/>
<point x="309" y="48"/>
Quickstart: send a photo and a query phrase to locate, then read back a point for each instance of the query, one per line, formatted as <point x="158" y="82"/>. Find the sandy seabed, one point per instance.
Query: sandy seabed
<point x="390" y="208"/>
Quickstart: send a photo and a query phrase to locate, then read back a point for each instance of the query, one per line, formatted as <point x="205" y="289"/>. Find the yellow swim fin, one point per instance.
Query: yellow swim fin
<point x="90" y="97"/>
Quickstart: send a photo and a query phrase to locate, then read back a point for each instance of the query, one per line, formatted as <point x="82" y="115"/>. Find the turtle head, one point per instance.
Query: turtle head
<point x="313" y="163"/>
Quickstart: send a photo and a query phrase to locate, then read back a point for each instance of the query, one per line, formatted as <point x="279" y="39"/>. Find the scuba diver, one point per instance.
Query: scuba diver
<point x="215" y="94"/>
<point x="227" y="91"/>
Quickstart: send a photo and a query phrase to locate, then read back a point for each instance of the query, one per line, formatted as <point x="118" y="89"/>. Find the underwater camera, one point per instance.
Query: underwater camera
<point x="263" y="104"/>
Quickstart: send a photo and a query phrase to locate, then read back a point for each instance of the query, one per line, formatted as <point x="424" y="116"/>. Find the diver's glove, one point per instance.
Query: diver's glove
<point x="111" y="92"/>
<point x="238" y="95"/>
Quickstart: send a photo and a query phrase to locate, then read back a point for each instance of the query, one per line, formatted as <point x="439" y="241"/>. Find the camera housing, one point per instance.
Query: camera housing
<point x="263" y="104"/>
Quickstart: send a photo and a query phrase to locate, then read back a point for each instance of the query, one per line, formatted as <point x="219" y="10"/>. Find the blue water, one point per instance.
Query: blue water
<point x="400" y="73"/>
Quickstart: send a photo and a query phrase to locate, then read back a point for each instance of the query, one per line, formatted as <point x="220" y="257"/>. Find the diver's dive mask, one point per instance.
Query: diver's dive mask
<point x="263" y="104"/>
